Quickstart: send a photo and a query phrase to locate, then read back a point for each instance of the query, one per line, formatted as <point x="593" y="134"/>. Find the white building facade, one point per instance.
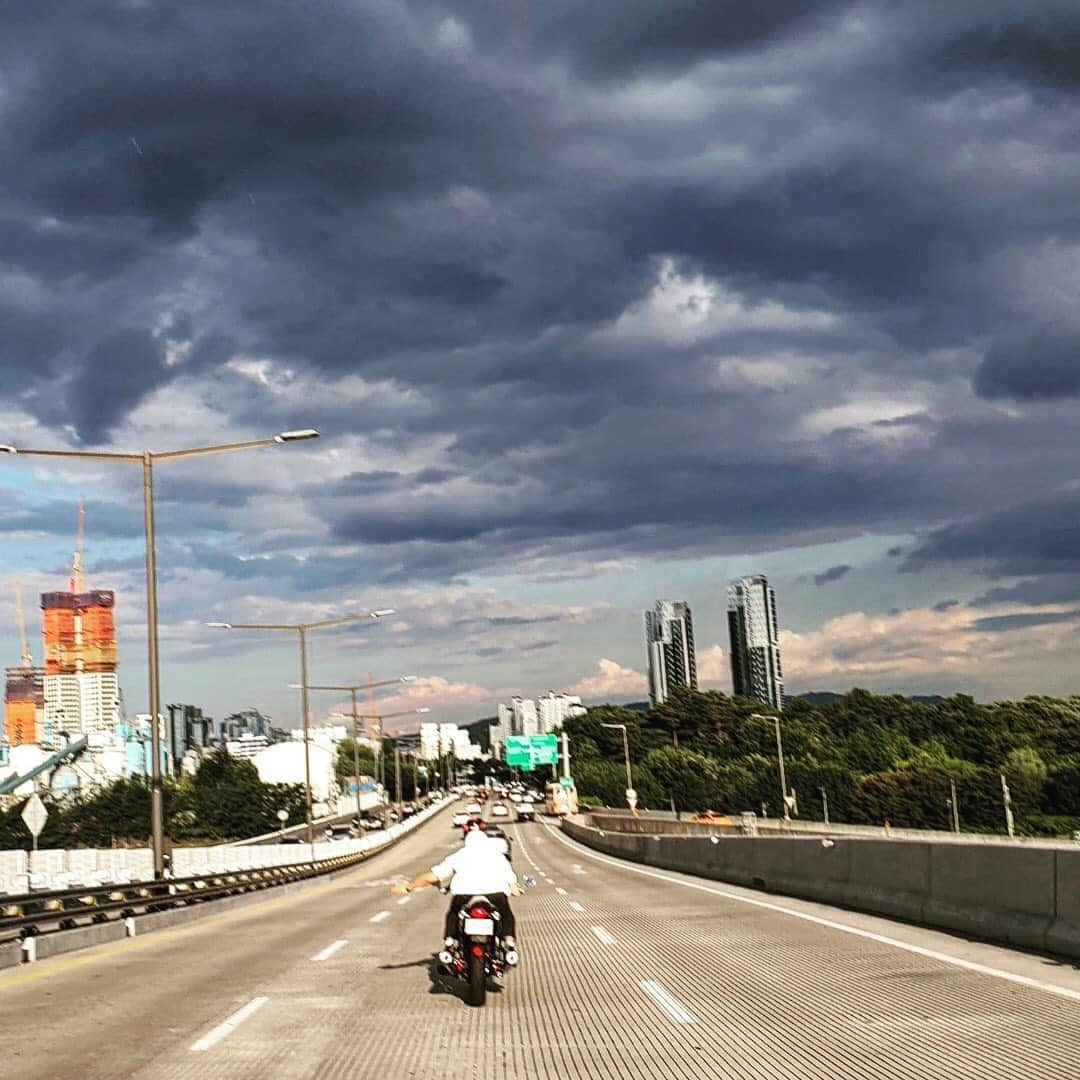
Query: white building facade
<point x="553" y="709"/>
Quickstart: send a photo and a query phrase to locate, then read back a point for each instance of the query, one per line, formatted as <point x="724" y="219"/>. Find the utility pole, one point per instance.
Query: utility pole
<point x="356" y="749"/>
<point x="397" y="779"/>
<point x="566" y="754"/>
<point x="1006" y="796"/>
<point x="825" y="805"/>
<point x="783" y="775"/>
<point x="955" y="808"/>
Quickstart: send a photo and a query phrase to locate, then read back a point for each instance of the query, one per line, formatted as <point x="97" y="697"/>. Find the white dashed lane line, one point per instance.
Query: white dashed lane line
<point x="330" y="950"/>
<point x="379" y="918"/>
<point x="226" y="1027"/>
<point x="404" y="900"/>
<point x="666" y="1002"/>
<point x="606" y="937"/>
<point x="561" y="892"/>
<point x="576" y="906"/>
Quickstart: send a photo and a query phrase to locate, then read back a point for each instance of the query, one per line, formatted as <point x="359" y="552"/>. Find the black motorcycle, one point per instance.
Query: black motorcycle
<point x="479" y="953"/>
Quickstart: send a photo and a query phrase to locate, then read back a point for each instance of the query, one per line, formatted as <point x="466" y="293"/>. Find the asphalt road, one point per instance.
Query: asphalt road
<point x="625" y="972"/>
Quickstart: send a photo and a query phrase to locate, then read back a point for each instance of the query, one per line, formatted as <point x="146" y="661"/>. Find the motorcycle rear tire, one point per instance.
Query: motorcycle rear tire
<point x="477" y="980"/>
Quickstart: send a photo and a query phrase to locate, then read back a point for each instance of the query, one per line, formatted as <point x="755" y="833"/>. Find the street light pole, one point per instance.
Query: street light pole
<point x="783" y="776"/>
<point x="146" y="459"/>
<point x="302" y="630"/>
<point x="157" y="800"/>
<point x="352" y="690"/>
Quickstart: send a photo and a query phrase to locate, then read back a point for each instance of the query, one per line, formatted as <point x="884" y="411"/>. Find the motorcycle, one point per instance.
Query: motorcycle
<point x="479" y="954"/>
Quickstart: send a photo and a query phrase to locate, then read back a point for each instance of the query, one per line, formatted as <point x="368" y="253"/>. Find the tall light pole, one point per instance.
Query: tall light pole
<point x="147" y="459"/>
<point x="780" y="761"/>
<point x="301" y="630"/>
<point x="631" y="795"/>
<point x="355" y="716"/>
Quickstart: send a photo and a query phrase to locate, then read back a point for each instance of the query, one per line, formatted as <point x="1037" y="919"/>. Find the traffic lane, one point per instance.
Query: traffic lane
<point x="183" y="979"/>
<point x="369" y="1004"/>
<point x="377" y="1007"/>
<point x="776" y="987"/>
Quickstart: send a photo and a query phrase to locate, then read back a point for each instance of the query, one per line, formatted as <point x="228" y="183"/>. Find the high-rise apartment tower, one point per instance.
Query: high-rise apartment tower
<point x="669" y="642"/>
<point x="755" y="641"/>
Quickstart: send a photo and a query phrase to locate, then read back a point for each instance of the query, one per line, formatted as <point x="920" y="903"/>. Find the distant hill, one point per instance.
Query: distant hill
<point x="827" y="697"/>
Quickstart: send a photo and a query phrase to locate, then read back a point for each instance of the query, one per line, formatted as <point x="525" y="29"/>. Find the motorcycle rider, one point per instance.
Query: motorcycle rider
<point x="478" y="868"/>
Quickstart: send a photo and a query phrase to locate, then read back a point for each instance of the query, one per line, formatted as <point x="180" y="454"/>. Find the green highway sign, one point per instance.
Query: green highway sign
<point x="528" y="751"/>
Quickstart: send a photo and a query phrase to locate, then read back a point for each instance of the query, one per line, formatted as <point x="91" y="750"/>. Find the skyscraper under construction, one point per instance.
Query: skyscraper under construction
<point x="23" y="691"/>
<point x="81" y="690"/>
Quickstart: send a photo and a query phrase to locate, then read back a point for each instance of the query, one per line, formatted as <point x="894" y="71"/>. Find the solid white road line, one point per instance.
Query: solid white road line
<point x="379" y="918"/>
<point x="576" y="906"/>
<point x="404" y="900"/>
<point x="212" y="1038"/>
<point x="667" y="1002"/>
<point x="525" y="851"/>
<point x="881" y="939"/>
<point x="561" y="892"/>
<point x="330" y="950"/>
<point x="604" y="936"/>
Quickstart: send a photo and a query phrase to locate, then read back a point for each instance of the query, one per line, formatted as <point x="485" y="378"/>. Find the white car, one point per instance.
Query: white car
<point x="459" y="819"/>
<point x="473" y="809"/>
<point x="499" y="810"/>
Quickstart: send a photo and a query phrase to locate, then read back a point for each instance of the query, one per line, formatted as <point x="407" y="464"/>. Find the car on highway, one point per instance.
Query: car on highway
<point x="526" y="811"/>
<point x="460" y="818"/>
<point x="499" y="810"/>
<point x="474" y="808"/>
<point x="339" y="832"/>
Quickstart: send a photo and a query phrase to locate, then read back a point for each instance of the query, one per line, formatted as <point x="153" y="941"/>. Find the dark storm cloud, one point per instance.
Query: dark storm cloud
<point x="833" y="573"/>
<point x="461" y="199"/>
<point x="612" y="39"/>
<point x="1031" y="365"/>
<point x="1002" y="623"/>
<point x="1037" y="541"/>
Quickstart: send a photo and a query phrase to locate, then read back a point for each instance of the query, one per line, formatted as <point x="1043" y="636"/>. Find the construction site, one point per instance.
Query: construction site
<point x="54" y="710"/>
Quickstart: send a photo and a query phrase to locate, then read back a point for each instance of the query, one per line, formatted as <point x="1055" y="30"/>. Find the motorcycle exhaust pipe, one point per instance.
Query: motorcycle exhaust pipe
<point x="511" y="957"/>
<point x="445" y="958"/>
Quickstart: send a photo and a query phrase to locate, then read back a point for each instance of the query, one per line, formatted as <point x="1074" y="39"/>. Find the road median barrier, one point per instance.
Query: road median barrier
<point x="1023" y="895"/>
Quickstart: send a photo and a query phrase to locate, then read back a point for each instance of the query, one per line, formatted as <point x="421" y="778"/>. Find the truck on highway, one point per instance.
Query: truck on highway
<point x="561" y="800"/>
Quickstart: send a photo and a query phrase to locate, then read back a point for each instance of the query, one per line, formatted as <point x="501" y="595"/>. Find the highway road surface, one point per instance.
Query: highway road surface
<point x="625" y="972"/>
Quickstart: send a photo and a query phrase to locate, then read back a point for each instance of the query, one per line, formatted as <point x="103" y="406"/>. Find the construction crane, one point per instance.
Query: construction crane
<point x="76" y="559"/>
<point x="20" y="616"/>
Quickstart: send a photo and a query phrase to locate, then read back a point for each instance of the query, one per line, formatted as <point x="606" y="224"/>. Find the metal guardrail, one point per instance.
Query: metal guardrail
<point x="37" y="913"/>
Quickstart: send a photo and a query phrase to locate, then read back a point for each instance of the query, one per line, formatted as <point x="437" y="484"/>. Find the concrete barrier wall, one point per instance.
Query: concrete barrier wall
<point x="71" y="868"/>
<point x="1024" y="896"/>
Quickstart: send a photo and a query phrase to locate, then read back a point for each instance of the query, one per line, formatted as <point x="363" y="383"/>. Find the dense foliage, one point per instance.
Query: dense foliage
<point x="224" y="800"/>
<point x="878" y="758"/>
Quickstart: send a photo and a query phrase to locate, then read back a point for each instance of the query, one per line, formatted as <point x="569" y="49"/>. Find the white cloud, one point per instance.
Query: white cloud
<point x="611" y="680"/>
<point x="684" y="310"/>
<point x="713" y="668"/>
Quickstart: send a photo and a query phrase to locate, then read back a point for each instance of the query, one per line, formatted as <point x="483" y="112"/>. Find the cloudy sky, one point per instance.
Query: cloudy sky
<point x="593" y="302"/>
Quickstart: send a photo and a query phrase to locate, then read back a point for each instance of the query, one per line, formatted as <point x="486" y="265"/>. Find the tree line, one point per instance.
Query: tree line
<point x="224" y="800"/>
<point x="878" y="758"/>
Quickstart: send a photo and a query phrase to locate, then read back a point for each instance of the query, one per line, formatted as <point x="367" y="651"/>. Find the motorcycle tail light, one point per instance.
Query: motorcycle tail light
<point x="478" y="950"/>
<point x="479" y="913"/>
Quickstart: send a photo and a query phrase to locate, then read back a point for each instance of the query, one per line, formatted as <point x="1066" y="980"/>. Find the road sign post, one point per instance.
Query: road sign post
<point x="34" y="816"/>
<point x="631" y="799"/>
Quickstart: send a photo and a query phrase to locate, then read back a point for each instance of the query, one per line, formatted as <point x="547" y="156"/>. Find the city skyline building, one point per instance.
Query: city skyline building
<point x="553" y="709"/>
<point x="755" y="641"/>
<point x="669" y="645"/>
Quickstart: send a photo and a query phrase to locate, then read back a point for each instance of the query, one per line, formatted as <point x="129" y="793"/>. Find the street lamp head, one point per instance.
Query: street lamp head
<point x="296" y="436"/>
<point x="423" y="709"/>
<point x="381" y="613"/>
<point x="5" y="449"/>
<point x="220" y="625"/>
<point x="615" y="727"/>
<point x="407" y="678"/>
